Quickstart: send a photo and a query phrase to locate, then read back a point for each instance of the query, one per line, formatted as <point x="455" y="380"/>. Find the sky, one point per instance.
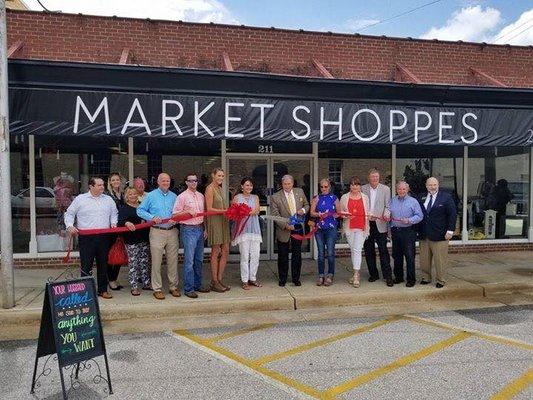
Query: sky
<point x="491" y="21"/>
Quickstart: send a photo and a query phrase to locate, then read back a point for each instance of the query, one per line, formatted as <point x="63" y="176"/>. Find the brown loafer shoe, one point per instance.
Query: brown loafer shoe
<point x="105" y="295"/>
<point x="192" y="295"/>
<point x="175" y="292"/>
<point x="159" y="295"/>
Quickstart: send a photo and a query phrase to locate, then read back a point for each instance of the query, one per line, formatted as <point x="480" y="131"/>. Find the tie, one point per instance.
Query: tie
<point x="430" y="204"/>
<point x="292" y="205"/>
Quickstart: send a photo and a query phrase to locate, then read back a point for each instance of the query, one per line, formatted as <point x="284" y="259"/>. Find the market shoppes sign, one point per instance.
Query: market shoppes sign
<point x="51" y="112"/>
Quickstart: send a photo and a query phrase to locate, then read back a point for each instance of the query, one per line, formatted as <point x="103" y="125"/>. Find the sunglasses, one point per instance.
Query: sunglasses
<point x="192" y="180"/>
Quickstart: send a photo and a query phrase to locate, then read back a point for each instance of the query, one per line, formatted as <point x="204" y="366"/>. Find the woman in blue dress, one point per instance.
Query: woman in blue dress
<point x="322" y="207"/>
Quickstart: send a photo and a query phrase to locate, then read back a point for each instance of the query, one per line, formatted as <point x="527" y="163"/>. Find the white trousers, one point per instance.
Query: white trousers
<point x="356" y="239"/>
<point x="250" y="250"/>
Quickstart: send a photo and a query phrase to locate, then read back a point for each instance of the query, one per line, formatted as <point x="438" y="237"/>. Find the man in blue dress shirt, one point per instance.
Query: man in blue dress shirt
<point x="405" y="212"/>
<point x="156" y="206"/>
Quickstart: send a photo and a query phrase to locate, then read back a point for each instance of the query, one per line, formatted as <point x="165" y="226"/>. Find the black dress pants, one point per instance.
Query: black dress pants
<point x="283" y="260"/>
<point x="375" y="236"/>
<point x="95" y="248"/>
<point x="403" y="246"/>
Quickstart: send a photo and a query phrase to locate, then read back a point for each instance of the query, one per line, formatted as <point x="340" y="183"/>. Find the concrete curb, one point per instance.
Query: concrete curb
<point x="384" y="297"/>
<point x="167" y="308"/>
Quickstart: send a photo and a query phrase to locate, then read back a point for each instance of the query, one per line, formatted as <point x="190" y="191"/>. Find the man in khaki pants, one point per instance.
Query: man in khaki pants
<point x="156" y="206"/>
<point x="435" y="231"/>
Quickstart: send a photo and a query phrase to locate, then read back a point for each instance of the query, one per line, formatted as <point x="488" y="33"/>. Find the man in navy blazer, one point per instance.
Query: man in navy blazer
<point x="435" y="231"/>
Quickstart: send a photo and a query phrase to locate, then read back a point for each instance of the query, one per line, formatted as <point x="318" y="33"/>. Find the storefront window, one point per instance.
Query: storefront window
<point x="177" y="158"/>
<point x="63" y="167"/>
<point x="444" y="163"/>
<point x="498" y="192"/>
<point x="20" y="193"/>
<point x="340" y="161"/>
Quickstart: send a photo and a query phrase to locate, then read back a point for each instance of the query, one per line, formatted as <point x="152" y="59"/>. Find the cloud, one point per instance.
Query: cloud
<point x="185" y="10"/>
<point x="354" y="25"/>
<point x="519" y="32"/>
<point x="471" y="24"/>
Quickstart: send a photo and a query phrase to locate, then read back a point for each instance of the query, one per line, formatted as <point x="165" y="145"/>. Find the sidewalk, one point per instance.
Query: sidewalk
<point x="485" y="278"/>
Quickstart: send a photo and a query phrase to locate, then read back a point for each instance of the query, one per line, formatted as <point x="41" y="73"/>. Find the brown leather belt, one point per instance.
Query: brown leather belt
<point x="164" y="228"/>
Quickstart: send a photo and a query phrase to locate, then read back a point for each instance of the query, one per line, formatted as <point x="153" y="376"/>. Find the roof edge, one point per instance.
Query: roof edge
<point x="294" y="31"/>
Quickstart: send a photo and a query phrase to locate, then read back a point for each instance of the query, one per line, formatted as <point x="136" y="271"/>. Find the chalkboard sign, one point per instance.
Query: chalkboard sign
<point x="71" y="325"/>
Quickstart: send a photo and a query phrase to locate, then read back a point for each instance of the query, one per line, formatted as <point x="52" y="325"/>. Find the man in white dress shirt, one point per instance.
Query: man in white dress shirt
<point x="93" y="210"/>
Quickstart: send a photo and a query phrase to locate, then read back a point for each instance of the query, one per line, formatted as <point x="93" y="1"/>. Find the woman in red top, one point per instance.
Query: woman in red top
<point x="354" y="205"/>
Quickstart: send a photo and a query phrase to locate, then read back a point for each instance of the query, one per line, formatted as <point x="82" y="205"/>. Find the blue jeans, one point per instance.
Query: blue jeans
<point x="193" y="248"/>
<point x="325" y="243"/>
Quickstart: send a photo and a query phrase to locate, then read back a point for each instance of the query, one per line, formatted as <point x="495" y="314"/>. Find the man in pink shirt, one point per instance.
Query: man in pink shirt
<point x="191" y="203"/>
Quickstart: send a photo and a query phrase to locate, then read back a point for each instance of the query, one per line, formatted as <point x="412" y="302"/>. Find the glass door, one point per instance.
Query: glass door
<point x="258" y="170"/>
<point x="301" y="169"/>
<point x="266" y="172"/>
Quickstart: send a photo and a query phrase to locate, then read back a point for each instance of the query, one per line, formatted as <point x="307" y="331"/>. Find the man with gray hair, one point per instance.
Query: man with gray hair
<point x="405" y="212"/>
<point x="379" y="196"/>
<point x="285" y="203"/>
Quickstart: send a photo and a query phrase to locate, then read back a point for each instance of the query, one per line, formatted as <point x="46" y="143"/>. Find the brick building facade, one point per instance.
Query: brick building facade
<point x="55" y="37"/>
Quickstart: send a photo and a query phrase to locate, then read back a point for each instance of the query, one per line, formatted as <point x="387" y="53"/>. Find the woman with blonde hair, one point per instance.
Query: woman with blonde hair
<point x="115" y="188"/>
<point x="323" y="207"/>
<point x="218" y="235"/>
<point x="355" y="226"/>
<point x="136" y="242"/>
<point x="116" y="192"/>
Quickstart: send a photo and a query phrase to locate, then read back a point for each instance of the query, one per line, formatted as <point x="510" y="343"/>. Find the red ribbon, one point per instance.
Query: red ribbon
<point x="311" y="233"/>
<point x="235" y="212"/>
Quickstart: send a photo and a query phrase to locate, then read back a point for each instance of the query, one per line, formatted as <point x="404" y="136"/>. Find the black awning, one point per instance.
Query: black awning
<point x="58" y="98"/>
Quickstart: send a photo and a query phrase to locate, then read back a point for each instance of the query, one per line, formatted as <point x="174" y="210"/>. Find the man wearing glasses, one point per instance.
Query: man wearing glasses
<point x="191" y="203"/>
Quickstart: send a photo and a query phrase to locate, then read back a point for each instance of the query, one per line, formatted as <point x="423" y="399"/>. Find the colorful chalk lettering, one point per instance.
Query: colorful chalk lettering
<point x="84" y="345"/>
<point x="73" y="299"/>
<point x="75" y="322"/>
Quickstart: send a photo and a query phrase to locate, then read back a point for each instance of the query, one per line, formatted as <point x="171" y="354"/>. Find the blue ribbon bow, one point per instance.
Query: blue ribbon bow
<point x="296" y="219"/>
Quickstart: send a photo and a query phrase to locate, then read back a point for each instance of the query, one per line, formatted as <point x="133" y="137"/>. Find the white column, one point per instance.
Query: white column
<point x="393" y="169"/>
<point x="224" y="166"/>
<point x="464" y="233"/>
<point x="130" y="161"/>
<point x="314" y="190"/>
<point x="33" y="208"/>
<point x="316" y="178"/>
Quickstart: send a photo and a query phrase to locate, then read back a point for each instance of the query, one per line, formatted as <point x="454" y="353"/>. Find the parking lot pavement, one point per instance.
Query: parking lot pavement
<point x="474" y="354"/>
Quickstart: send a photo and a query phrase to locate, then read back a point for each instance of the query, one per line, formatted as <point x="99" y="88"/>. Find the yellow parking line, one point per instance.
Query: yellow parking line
<point x="239" y="332"/>
<point x="401" y="362"/>
<point x="481" y="335"/>
<point x="252" y="365"/>
<point x="515" y="387"/>
<point x="322" y="342"/>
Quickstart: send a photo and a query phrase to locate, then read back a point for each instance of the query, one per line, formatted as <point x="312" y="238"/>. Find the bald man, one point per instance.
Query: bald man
<point x="156" y="206"/>
<point x="435" y="232"/>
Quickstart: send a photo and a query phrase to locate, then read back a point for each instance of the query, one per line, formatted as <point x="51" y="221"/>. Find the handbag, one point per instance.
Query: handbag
<point x="117" y="254"/>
